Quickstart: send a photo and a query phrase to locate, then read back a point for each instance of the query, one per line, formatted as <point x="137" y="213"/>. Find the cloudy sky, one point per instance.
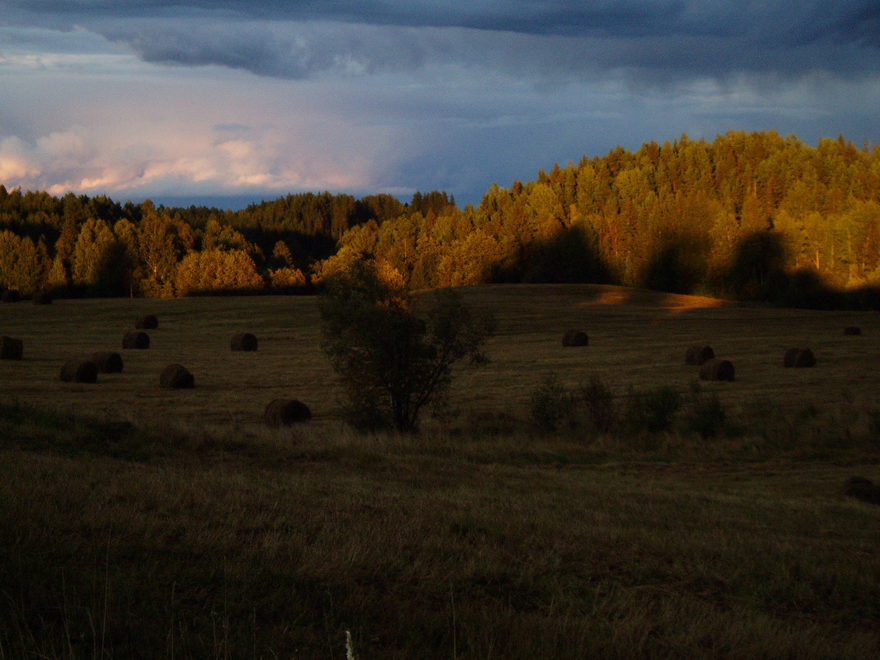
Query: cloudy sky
<point x="236" y="101"/>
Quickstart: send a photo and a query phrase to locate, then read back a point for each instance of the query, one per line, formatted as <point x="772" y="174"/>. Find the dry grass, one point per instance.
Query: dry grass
<point x="117" y="543"/>
<point x="637" y="339"/>
<point x="198" y="532"/>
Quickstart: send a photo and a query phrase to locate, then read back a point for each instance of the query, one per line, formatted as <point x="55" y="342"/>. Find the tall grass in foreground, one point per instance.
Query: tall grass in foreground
<point x="123" y="542"/>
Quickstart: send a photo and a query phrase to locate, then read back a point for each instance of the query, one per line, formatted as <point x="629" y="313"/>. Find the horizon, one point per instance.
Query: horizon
<point x="234" y="101"/>
<point x="238" y="202"/>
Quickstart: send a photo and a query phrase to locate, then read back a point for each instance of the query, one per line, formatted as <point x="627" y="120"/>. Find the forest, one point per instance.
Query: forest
<point x="753" y="216"/>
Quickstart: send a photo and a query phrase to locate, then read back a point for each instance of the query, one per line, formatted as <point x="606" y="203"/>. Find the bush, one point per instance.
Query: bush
<point x="874" y="422"/>
<point x="599" y="403"/>
<point x="552" y="404"/>
<point x="652" y="410"/>
<point x="705" y="414"/>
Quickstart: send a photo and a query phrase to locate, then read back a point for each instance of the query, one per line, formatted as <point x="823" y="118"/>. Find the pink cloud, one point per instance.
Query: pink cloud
<point x="187" y="132"/>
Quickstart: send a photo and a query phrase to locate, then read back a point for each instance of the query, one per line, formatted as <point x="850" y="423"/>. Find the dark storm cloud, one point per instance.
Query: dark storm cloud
<point x="280" y="38"/>
<point x="628" y="16"/>
<point x="845" y="19"/>
<point x="404" y="94"/>
<point x="861" y="24"/>
<point x="287" y="50"/>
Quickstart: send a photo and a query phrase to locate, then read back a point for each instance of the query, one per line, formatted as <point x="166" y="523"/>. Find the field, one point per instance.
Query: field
<point x="637" y="338"/>
<point x="138" y="522"/>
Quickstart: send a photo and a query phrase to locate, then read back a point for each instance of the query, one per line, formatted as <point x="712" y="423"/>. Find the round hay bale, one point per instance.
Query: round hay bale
<point x="284" y="412"/>
<point x="852" y="330"/>
<point x="135" y="339"/>
<point x="698" y="354"/>
<point x="10" y="296"/>
<point x="799" y="358"/>
<point x="575" y="338"/>
<point x="148" y="322"/>
<point x="716" y="369"/>
<point x="42" y="298"/>
<point x="11" y="349"/>
<point x="176" y="377"/>
<point x="862" y="489"/>
<point x="244" y="341"/>
<point x="108" y="362"/>
<point x="79" y="371"/>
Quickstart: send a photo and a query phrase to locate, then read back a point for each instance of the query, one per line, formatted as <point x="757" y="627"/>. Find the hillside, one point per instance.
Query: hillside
<point x="752" y="216"/>
<point x="749" y="215"/>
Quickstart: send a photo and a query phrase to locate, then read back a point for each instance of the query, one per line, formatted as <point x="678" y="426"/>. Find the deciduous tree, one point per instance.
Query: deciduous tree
<point x="392" y="361"/>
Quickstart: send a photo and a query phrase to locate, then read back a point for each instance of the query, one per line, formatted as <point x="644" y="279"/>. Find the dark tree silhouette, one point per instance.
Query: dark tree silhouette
<point x="391" y="361"/>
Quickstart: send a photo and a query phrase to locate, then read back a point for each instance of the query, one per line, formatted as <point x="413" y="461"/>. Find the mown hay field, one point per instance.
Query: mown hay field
<point x="636" y="339"/>
<point x="223" y="538"/>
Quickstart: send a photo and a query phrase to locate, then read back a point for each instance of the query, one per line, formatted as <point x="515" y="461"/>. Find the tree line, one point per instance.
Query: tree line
<point x="82" y="246"/>
<point x="749" y="215"/>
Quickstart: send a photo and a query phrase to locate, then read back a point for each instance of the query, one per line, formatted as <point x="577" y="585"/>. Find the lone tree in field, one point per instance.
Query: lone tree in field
<point x="392" y="361"/>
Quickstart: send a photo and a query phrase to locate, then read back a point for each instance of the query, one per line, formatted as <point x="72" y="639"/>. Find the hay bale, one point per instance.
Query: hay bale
<point x="698" y="354"/>
<point x="10" y="296"/>
<point x="799" y="358"/>
<point x="575" y="338"/>
<point x="716" y="369"/>
<point x="108" y="362"/>
<point x="176" y="377"/>
<point x="11" y="349"/>
<point x="135" y="339"/>
<point x="852" y="330"/>
<point x="284" y="412"/>
<point x="862" y="489"/>
<point x="79" y="371"/>
<point x="244" y="341"/>
<point x="148" y="322"/>
<point x="42" y="298"/>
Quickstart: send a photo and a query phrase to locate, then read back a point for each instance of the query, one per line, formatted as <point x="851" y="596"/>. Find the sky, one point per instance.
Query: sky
<point x="230" y="102"/>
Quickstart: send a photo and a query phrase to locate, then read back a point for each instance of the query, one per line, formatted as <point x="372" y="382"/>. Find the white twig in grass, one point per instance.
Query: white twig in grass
<point x="349" y="647"/>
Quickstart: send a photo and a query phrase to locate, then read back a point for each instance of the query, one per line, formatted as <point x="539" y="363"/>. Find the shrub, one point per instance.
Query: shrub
<point x="652" y="410"/>
<point x="874" y="422"/>
<point x="705" y="414"/>
<point x="10" y="296"/>
<point x="599" y="403"/>
<point x="552" y="404"/>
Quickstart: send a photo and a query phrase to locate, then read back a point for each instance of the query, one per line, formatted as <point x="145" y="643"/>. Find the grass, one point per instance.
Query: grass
<point x="156" y="525"/>
<point x="637" y="339"/>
